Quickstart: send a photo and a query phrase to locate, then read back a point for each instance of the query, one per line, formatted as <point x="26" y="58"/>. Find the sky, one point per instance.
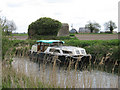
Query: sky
<point x="73" y="12"/>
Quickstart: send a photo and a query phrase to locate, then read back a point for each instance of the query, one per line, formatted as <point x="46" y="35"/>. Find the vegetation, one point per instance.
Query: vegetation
<point x="13" y="79"/>
<point x="93" y="27"/>
<point x="110" y="25"/>
<point x="84" y="43"/>
<point x="19" y="34"/>
<point x="7" y="26"/>
<point x="41" y="37"/>
<point x="45" y="26"/>
<point x="17" y="78"/>
<point x="97" y="48"/>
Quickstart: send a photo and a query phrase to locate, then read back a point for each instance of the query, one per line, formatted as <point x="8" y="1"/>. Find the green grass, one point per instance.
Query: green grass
<point x="24" y="34"/>
<point x="40" y="37"/>
<point x="84" y="43"/>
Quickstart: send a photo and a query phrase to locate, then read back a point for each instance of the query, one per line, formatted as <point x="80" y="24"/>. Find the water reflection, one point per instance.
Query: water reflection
<point x="65" y="78"/>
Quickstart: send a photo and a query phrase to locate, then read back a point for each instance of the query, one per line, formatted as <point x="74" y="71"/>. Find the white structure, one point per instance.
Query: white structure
<point x="83" y="30"/>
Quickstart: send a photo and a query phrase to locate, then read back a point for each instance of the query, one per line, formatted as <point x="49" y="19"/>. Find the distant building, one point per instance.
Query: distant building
<point x="73" y="31"/>
<point x="83" y="30"/>
<point x="86" y="30"/>
<point x="108" y="31"/>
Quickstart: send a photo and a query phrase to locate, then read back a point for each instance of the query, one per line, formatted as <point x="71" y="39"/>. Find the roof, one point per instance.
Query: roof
<point x="50" y="41"/>
<point x="70" y="48"/>
<point x="73" y="31"/>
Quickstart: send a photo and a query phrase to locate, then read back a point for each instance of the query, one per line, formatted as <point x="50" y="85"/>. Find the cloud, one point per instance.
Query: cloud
<point x="76" y="12"/>
<point x="58" y="1"/>
<point x="15" y="3"/>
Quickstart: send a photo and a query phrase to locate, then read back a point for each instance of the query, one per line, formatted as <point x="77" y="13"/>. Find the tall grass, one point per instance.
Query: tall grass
<point x="10" y="46"/>
<point x="50" y="76"/>
<point x="13" y="79"/>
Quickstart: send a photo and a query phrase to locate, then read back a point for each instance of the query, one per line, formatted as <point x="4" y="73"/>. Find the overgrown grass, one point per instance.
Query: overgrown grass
<point x="10" y="45"/>
<point x="13" y="79"/>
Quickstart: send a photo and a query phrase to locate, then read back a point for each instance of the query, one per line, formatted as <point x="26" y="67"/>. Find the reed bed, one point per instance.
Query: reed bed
<point x="21" y="73"/>
<point x="27" y="74"/>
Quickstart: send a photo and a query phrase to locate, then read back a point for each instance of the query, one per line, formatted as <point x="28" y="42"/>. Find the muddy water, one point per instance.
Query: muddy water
<point x="65" y="78"/>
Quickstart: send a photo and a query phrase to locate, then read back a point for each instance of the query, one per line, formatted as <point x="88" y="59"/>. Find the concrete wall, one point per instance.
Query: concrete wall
<point x="64" y="31"/>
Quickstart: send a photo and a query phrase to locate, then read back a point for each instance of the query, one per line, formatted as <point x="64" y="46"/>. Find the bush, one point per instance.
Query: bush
<point x="72" y="34"/>
<point x="45" y="26"/>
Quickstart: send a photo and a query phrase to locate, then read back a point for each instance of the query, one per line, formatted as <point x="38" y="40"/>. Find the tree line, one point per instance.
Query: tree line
<point x="94" y="26"/>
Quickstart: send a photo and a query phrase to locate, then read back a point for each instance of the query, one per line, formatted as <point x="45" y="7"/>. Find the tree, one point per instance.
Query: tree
<point x="110" y="25"/>
<point x="11" y="26"/>
<point x="45" y="26"/>
<point x="7" y="25"/>
<point x="93" y="26"/>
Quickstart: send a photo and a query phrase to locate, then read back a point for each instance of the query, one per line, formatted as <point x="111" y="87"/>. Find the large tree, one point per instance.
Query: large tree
<point x="44" y="26"/>
<point x="93" y="26"/>
<point x="110" y="25"/>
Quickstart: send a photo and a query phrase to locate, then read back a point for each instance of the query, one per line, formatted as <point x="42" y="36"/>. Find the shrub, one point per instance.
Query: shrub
<point x="45" y="26"/>
<point x="72" y="34"/>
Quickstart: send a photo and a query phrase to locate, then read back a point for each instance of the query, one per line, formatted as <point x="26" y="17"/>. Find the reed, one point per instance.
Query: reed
<point x="51" y="76"/>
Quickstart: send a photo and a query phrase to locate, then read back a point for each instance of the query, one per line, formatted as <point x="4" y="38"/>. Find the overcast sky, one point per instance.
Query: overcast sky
<point x="76" y="12"/>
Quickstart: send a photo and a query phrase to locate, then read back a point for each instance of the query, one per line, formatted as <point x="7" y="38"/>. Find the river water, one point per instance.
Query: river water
<point x="65" y="78"/>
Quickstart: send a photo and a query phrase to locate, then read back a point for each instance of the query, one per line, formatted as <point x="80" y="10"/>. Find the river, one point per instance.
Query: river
<point x="65" y="78"/>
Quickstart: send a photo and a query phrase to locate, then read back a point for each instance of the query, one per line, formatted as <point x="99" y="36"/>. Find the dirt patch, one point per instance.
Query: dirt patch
<point x="96" y="36"/>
